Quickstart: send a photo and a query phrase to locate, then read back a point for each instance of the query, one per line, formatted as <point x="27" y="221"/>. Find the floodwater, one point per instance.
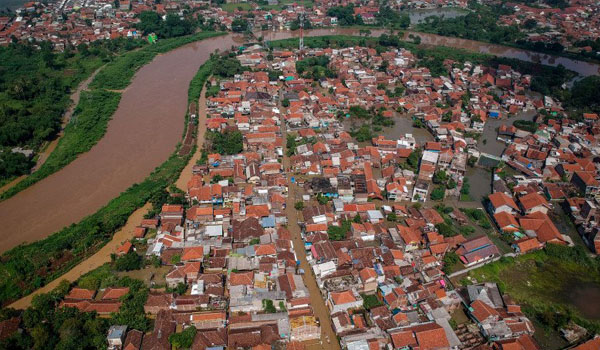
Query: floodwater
<point x="586" y="298"/>
<point x="403" y="125"/>
<point x="147" y="126"/>
<point x="144" y="131"/>
<point x="480" y="180"/>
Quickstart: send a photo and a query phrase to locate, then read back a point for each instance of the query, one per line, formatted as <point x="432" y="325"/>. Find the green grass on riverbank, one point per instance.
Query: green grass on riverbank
<point x="30" y="266"/>
<point x="117" y="74"/>
<point x="553" y="285"/>
<point x="96" y="107"/>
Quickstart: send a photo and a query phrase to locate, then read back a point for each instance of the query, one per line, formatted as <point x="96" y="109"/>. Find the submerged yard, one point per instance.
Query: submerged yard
<point x="554" y="286"/>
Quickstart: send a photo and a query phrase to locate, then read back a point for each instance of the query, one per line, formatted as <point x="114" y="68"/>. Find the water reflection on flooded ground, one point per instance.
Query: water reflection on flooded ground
<point x="404" y="125"/>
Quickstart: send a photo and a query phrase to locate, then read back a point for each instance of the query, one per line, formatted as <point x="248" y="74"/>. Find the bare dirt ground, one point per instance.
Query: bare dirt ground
<point x="94" y="261"/>
<point x="186" y="174"/>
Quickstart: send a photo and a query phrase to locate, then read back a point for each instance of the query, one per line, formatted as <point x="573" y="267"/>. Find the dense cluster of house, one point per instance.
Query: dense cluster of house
<point x="73" y="22"/>
<point x="381" y="280"/>
<point x="558" y="163"/>
<point x="577" y="22"/>
<point x="393" y="293"/>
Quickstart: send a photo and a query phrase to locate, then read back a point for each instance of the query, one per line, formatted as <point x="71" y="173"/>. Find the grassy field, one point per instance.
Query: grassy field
<point x="555" y="285"/>
<point x="231" y="7"/>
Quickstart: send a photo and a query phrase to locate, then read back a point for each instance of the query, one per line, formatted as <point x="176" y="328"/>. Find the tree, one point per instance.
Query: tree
<point x="227" y="67"/>
<point x="413" y="159"/>
<point x="268" y="306"/>
<point x="239" y="25"/>
<point x="363" y="133"/>
<point x="338" y="233"/>
<point x="450" y="259"/>
<point x="229" y="142"/>
<point x="128" y="262"/>
<point x="392" y="217"/>
<point x="357" y="219"/>
<point x="183" y="340"/>
<point x="299" y="205"/>
<point x="440" y="177"/>
<point x="181" y="288"/>
<point x="438" y="193"/>
<point x="370" y="301"/>
<point x="285" y="103"/>
<point x="445" y="230"/>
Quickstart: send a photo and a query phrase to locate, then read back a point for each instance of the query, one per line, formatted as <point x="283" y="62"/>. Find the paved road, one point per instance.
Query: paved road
<point x="316" y="299"/>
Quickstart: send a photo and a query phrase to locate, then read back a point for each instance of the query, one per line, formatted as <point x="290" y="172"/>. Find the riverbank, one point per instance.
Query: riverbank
<point x="98" y="259"/>
<point x="51" y="146"/>
<point x="46" y="260"/>
<point x="92" y="114"/>
<point x="186" y="174"/>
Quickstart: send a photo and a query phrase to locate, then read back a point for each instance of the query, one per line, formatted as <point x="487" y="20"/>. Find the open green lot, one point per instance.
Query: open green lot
<point x="231" y="7"/>
<point x="554" y="286"/>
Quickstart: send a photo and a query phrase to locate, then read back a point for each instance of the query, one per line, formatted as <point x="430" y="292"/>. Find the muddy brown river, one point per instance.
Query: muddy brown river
<point x="141" y="135"/>
<point x="145" y="129"/>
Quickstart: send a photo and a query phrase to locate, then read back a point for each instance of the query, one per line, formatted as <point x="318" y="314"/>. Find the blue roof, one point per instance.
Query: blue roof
<point x="268" y="221"/>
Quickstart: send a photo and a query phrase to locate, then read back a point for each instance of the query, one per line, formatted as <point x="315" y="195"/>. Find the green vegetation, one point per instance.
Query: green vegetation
<point x="87" y="126"/>
<point x="299" y="205"/>
<point x="230" y="142"/>
<point x="199" y="79"/>
<point x="227" y="66"/>
<point x="117" y="75"/>
<point x="478" y="216"/>
<point x="315" y="68"/>
<point x="370" y="301"/>
<point x="338" y="233"/>
<point x="585" y="95"/>
<point x="438" y="193"/>
<point x="345" y="15"/>
<point x="183" y="340"/>
<point x="526" y="125"/>
<point x="30" y="266"/>
<point x="128" y="262"/>
<point x="268" y="306"/>
<point x="239" y="25"/>
<point x="450" y="260"/>
<point x="96" y="108"/>
<point x="550" y="284"/>
<point x="232" y="7"/>
<point x="34" y="94"/>
<point x="363" y="134"/>
<point x="446" y="230"/>
<point x="481" y="24"/>
<point x="45" y="326"/>
<point x="172" y="26"/>
<point x="290" y="145"/>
